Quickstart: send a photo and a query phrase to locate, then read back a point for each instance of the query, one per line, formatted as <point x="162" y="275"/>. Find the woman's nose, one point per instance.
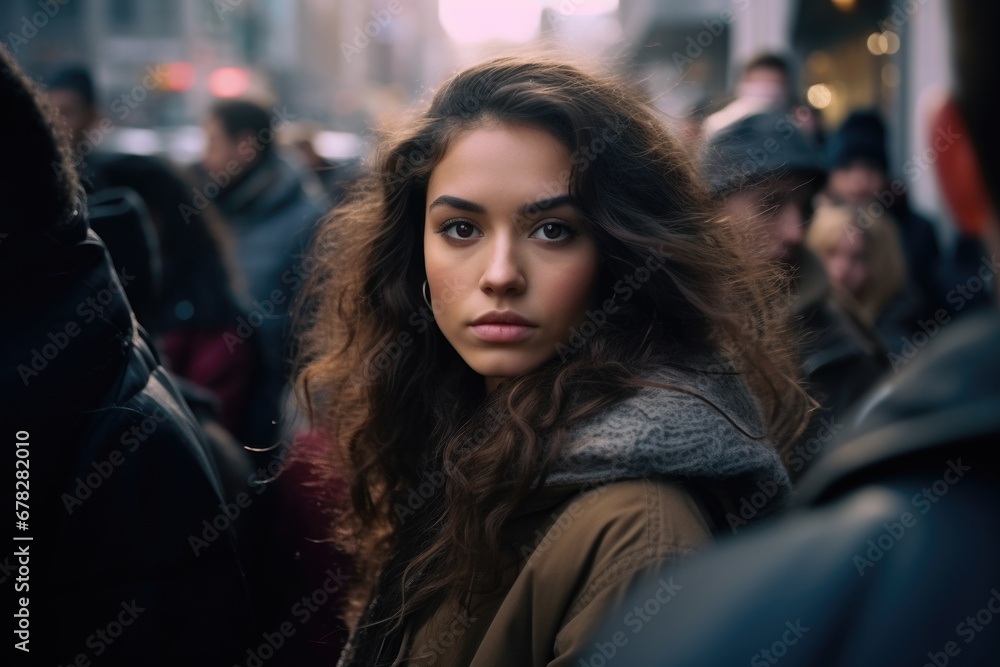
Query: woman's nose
<point x="503" y="274"/>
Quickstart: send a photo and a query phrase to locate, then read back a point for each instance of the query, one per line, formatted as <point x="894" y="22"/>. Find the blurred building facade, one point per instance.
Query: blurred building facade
<point x="160" y="63"/>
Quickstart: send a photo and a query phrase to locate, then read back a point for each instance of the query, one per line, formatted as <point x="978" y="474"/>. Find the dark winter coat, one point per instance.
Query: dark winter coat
<point x="271" y="218"/>
<point x="134" y="557"/>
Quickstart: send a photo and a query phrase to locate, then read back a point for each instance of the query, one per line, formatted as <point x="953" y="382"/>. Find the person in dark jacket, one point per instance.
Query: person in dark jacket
<point x="766" y="173"/>
<point x="125" y="518"/>
<point x="270" y="209"/>
<point x="192" y="306"/>
<point x="890" y="555"/>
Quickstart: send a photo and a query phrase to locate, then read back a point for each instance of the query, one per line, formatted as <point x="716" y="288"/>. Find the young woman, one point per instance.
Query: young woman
<point x="864" y="260"/>
<point x="545" y="365"/>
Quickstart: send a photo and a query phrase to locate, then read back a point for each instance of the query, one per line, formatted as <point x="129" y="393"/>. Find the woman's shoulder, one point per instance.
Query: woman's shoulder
<point x="650" y="517"/>
<point x="593" y="547"/>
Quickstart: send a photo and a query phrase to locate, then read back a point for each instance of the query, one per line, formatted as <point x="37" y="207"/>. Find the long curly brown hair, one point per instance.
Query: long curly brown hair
<point x="403" y="413"/>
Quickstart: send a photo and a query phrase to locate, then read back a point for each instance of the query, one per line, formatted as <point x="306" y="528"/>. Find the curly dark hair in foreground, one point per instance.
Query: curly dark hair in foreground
<point x="401" y="408"/>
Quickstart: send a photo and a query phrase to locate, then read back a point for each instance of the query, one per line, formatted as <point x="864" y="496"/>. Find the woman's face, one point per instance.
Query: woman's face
<point x="510" y="265"/>
<point x="846" y="261"/>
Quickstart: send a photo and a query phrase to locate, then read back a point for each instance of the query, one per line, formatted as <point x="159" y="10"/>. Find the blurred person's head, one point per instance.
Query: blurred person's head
<point x="764" y="87"/>
<point x="969" y="169"/>
<point x="857" y="158"/>
<point x="766" y="174"/>
<point x="237" y="132"/>
<point x="863" y="258"/>
<point x="767" y="76"/>
<point x="71" y="92"/>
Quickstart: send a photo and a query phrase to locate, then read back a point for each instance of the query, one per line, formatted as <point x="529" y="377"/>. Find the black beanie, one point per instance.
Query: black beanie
<point x="861" y="137"/>
<point x="756" y="148"/>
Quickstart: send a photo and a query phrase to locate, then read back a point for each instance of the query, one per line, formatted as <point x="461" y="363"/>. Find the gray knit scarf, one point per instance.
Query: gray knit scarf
<point x="707" y="426"/>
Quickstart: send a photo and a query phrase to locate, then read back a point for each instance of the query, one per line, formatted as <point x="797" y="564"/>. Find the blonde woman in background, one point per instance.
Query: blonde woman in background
<point x="864" y="259"/>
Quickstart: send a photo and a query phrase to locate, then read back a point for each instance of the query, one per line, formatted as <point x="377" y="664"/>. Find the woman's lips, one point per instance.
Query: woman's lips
<point x="496" y="332"/>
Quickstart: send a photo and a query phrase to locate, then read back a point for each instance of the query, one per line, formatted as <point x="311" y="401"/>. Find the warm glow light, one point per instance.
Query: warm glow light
<point x="229" y="82"/>
<point x="844" y="5"/>
<point x="877" y="43"/>
<point x="883" y="43"/>
<point x="180" y="77"/>
<point x="891" y="41"/>
<point x="819" y="95"/>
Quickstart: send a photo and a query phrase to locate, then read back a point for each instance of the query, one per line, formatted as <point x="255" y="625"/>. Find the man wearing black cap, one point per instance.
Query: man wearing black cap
<point x="766" y="173"/>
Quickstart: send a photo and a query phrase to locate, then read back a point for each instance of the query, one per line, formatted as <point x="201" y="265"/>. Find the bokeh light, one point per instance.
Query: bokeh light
<point x="877" y="44"/>
<point x="820" y="96"/>
<point x="229" y="82"/>
<point x="180" y="77"/>
<point x="891" y="42"/>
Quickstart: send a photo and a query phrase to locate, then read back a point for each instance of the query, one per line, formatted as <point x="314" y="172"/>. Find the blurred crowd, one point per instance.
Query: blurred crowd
<point x="212" y="257"/>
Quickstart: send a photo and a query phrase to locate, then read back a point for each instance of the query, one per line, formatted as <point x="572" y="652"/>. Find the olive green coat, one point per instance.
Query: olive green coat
<point x="585" y="551"/>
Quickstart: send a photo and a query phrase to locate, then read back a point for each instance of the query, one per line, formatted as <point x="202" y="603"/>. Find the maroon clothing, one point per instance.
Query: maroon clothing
<point x="208" y="358"/>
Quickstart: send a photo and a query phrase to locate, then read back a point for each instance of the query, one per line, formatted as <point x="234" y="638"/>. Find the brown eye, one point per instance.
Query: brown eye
<point x="459" y="229"/>
<point x="553" y="231"/>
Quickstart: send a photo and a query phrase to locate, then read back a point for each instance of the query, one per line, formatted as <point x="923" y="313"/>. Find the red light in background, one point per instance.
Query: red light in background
<point x="180" y="77"/>
<point x="229" y="82"/>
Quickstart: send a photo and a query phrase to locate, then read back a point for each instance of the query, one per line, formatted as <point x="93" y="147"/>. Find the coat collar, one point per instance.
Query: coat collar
<point x="702" y="424"/>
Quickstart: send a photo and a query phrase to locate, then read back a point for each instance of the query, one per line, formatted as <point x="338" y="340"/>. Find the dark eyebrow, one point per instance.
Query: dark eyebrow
<point x="539" y="206"/>
<point x="457" y="202"/>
